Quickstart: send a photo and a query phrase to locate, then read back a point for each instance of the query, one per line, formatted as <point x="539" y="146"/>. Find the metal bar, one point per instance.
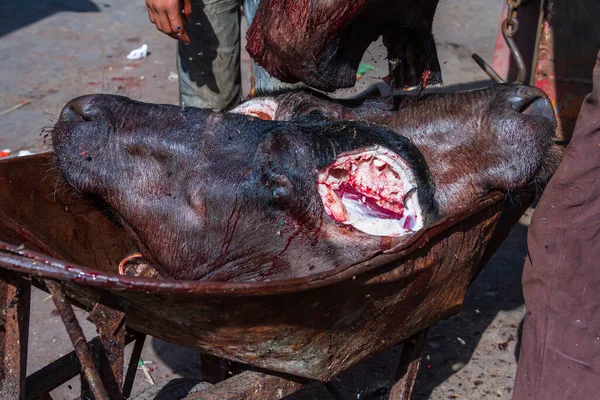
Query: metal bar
<point x="55" y="374"/>
<point x="78" y="339"/>
<point x="487" y="69"/>
<point x="567" y="49"/>
<point x="59" y="371"/>
<point x="538" y="38"/>
<point x="251" y="385"/>
<point x="517" y="57"/>
<point x="133" y="363"/>
<point x="15" y="296"/>
<point x="514" y="53"/>
<point x="408" y="368"/>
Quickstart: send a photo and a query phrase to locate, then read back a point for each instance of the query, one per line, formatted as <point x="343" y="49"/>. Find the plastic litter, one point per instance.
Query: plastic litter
<point x="173" y="76"/>
<point x="138" y="53"/>
<point x="457" y="366"/>
<point x="363" y="68"/>
<point x="9" y="153"/>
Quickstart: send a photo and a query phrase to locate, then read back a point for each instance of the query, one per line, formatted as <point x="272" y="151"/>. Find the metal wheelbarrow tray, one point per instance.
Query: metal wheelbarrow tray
<point x="312" y="327"/>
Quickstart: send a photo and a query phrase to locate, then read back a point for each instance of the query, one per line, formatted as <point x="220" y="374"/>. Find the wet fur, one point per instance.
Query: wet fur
<point x="223" y="196"/>
<point x="473" y="142"/>
<point x="227" y="197"/>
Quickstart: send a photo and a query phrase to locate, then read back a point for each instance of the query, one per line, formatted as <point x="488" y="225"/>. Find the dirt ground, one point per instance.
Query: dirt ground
<point x="52" y="51"/>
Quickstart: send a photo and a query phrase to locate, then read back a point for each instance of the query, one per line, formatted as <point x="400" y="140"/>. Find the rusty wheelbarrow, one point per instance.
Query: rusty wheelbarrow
<point x="286" y="332"/>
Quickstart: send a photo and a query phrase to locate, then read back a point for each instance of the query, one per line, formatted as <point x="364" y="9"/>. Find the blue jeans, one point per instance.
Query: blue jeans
<point x="209" y="67"/>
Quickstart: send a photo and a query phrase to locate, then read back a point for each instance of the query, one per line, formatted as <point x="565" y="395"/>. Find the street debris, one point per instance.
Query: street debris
<point x="21" y="104"/>
<point x="503" y="346"/>
<point x="457" y="366"/>
<point x="139" y="53"/>
<point x="363" y="68"/>
<point x="9" y="153"/>
<point x="142" y="366"/>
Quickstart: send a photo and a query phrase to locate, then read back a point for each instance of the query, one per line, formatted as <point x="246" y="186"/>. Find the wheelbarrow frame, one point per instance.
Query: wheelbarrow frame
<point x="393" y="296"/>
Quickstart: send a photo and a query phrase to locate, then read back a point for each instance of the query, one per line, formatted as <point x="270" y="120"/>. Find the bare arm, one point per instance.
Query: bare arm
<point x="167" y="16"/>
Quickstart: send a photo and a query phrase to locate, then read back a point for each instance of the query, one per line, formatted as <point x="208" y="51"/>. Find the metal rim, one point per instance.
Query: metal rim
<point x="36" y="264"/>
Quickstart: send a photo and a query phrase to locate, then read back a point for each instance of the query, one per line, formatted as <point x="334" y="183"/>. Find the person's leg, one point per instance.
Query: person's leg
<point x="264" y="83"/>
<point x="560" y="347"/>
<point x="209" y="67"/>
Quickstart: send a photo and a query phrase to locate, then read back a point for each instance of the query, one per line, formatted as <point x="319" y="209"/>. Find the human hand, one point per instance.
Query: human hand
<point x="167" y="16"/>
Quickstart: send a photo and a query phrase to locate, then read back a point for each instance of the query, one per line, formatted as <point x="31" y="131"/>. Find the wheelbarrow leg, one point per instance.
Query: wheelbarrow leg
<point x="15" y="295"/>
<point x="133" y="364"/>
<point x="110" y="357"/>
<point x="410" y="359"/>
<point x="78" y="339"/>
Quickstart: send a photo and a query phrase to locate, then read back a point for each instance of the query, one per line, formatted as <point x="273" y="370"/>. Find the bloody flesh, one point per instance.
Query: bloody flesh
<point x="368" y="191"/>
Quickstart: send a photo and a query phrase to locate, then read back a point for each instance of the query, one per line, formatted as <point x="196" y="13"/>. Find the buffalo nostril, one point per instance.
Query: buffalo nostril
<point x="85" y="108"/>
<point x="521" y="98"/>
<point x="528" y="100"/>
<point x="68" y="114"/>
<point x="532" y="102"/>
<point x="519" y="103"/>
<point x="540" y="107"/>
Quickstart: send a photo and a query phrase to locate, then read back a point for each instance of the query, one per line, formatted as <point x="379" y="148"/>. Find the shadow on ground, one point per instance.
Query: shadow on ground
<point x="18" y="14"/>
<point x="497" y="289"/>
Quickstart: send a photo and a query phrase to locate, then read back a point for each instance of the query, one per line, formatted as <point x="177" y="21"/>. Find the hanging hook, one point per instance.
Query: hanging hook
<point x="487" y="69"/>
<point x="510" y="26"/>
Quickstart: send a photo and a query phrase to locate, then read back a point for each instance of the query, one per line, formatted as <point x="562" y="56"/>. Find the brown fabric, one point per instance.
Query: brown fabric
<point x="560" y="350"/>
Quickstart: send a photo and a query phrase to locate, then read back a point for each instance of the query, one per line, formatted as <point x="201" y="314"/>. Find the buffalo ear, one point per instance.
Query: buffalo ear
<point x="277" y="165"/>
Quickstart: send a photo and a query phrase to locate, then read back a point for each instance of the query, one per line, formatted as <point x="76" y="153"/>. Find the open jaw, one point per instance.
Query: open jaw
<point x="372" y="190"/>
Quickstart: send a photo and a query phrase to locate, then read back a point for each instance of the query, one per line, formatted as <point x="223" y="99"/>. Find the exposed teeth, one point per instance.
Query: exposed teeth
<point x="378" y="163"/>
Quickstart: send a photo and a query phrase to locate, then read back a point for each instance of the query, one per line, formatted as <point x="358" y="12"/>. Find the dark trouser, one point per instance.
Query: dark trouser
<point x="209" y="67"/>
<point x="560" y="349"/>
